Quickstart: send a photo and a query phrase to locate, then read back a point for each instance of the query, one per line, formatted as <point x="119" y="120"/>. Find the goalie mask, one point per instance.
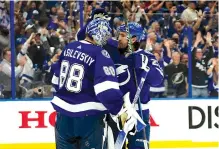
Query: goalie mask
<point x="99" y="30"/>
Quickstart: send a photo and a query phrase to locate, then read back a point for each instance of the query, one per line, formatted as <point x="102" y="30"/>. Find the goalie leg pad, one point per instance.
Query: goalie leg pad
<point x="137" y="141"/>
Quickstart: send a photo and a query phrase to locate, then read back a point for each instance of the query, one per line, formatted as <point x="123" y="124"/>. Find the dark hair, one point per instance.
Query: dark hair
<point x="5" y="51"/>
<point x="142" y="45"/>
<point x="136" y="45"/>
<point x="43" y="22"/>
<point x="4" y="31"/>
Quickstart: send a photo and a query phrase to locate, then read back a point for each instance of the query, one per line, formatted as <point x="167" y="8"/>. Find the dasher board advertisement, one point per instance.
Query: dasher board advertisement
<point x="174" y="123"/>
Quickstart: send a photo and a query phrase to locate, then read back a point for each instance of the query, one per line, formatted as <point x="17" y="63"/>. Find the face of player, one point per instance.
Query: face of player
<point x="123" y="41"/>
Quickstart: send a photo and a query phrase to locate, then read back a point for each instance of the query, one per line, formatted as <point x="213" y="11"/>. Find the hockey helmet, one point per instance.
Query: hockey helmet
<point x="135" y="29"/>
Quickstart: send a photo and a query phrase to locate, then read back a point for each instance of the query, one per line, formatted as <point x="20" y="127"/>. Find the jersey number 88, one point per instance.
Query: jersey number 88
<point x="74" y="75"/>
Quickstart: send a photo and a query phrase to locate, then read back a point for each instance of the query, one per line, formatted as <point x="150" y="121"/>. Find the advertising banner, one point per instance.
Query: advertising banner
<point x="173" y="123"/>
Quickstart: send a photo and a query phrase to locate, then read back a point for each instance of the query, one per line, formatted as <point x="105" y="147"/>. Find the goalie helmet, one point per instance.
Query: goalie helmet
<point x="135" y="29"/>
<point x="99" y="29"/>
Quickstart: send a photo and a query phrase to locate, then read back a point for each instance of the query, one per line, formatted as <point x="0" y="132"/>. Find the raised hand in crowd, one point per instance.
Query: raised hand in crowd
<point x="55" y="58"/>
<point x="173" y="10"/>
<point x="22" y="61"/>
<point x="167" y="45"/>
<point x="201" y="14"/>
<point x="208" y="39"/>
<point x="215" y="61"/>
<point x="198" y="39"/>
<point x="32" y="36"/>
<point x="127" y="5"/>
<point x="213" y="66"/>
<point x="185" y="41"/>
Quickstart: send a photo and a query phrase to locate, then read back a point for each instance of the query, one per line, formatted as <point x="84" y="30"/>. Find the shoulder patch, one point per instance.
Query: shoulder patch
<point x="105" y="53"/>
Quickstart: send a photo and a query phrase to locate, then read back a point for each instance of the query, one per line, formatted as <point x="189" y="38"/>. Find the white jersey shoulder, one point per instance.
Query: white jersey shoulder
<point x="147" y="52"/>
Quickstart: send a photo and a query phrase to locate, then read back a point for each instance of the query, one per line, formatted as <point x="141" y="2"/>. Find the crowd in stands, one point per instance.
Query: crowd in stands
<point x="43" y="28"/>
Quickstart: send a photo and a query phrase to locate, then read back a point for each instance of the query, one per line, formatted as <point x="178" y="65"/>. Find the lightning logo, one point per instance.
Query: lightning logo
<point x="123" y="72"/>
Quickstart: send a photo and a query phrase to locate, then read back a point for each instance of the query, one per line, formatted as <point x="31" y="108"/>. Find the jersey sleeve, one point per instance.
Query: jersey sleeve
<point x="55" y="68"/>
<point x="155" y="75"/>
<point x="106" y="85"/>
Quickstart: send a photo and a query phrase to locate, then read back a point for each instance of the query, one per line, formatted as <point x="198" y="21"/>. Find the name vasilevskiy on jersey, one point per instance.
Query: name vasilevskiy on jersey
<point x="79" y="55"/>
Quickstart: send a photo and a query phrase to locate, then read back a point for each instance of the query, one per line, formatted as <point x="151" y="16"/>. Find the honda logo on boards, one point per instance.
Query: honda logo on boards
<point x="43" y="117"/>
<point x="40" y="117"/>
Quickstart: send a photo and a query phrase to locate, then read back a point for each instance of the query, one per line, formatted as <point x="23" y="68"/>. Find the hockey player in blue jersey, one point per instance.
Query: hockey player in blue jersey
<point x="141" y="61"/>
<point x="86" y="89"/>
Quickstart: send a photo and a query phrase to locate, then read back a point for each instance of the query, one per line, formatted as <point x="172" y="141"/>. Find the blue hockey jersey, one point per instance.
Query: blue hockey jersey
<point x="161" y="88"/>
<point x="125" y="71"/>
<point x="85" y="81"/>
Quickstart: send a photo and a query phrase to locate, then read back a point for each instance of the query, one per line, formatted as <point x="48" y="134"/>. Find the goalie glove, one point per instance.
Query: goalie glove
<point x="128" y="119"/>
<point x="131" y="122"/>
<point x="124" y="119"/>
<point x="126" y="116"/>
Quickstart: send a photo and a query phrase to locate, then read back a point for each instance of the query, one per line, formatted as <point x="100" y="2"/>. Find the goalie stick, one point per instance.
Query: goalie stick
<point x="122" y="135"/>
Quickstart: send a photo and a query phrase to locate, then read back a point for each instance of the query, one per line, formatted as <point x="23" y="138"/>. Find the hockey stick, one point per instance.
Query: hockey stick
<point x="122" y="135"/>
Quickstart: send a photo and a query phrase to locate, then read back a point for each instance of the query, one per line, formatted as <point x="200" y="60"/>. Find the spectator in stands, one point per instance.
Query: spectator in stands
<point x="176" y="74"/>
<point x="4" y="25"/>
<point x="185" y="59"/>
<point x="54" y="37"/>
<point x="4" y="38"/>
<point x="36" y="48"/>
<point x="6" y="63"/>
<point x="27" y="74"/>
<point x="200" y="57"/>
<point x="190" y="14"/>
<point x="44" y="33"/>
<point x="6" y="72"/>
<point x="216" y="44"/>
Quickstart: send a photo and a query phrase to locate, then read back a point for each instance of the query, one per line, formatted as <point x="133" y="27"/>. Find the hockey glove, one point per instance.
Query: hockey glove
<point x="126" y="121"/>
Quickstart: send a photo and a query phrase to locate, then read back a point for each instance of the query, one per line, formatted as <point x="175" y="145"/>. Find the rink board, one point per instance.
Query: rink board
<point x="175" y="124"/>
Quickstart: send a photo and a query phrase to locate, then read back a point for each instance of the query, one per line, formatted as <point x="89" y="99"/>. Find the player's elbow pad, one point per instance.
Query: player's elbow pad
<point x="112" y="100"/>
<point x="155" y="77"/>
